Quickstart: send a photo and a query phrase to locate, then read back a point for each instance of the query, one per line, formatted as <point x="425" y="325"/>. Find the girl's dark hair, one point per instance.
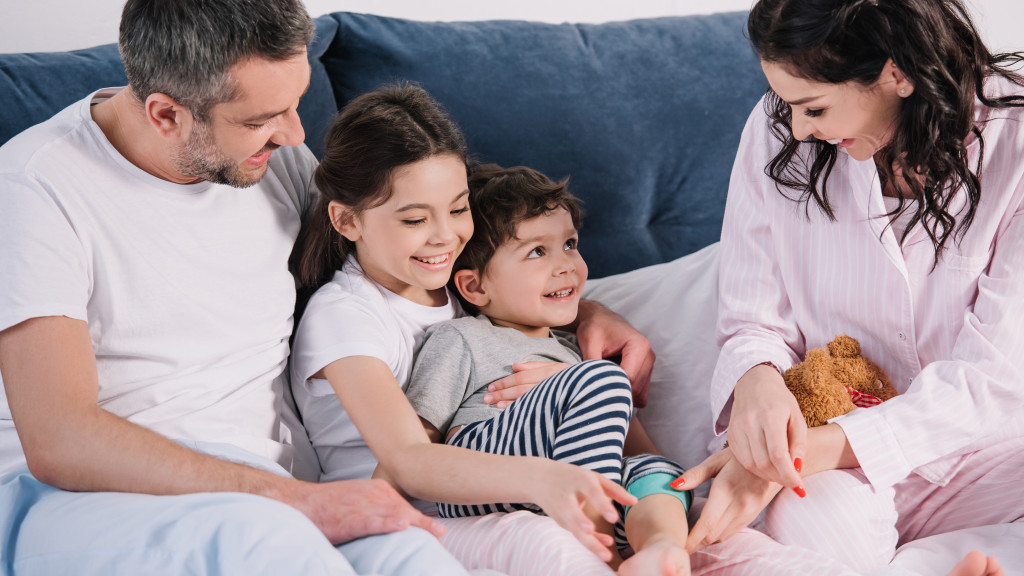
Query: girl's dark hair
<point x="502" y="198"/>
<point x="936" y="45"/>
<point x="371" y="137"/>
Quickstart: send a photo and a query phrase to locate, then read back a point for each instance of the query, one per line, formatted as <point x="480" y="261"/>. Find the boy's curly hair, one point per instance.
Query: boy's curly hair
<point x="501" y="198"/>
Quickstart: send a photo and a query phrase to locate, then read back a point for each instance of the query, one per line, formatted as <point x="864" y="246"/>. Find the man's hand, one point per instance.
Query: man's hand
<point x="735" y="499"/>
<point x="504" y="391"/>
<point x="604" y="334"/>
<point x="350" y="509"/>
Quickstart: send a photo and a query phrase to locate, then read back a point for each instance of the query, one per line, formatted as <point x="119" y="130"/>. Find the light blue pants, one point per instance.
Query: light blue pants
<point x="51" y="532"/>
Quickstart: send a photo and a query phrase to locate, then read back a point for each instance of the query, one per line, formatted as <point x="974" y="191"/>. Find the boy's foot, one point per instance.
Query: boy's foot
<point x="661" y="558"/>
<point x="977" y="564"/>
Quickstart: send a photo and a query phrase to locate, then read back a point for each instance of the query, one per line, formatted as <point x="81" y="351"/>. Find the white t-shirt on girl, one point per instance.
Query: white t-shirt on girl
<point x="353" y="316"/>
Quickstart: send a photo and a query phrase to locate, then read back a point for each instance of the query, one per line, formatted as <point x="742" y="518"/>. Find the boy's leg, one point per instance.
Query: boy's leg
<point x="578" y="416"/>
<point x="843" y="516"/>
<point x="656" y="526"/>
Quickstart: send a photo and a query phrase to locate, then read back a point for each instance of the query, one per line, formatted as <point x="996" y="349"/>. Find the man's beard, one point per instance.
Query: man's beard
<point x="202" y="158"/>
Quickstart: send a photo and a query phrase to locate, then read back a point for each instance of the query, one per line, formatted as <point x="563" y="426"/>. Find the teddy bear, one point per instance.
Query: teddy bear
<point x="834" y="380"/>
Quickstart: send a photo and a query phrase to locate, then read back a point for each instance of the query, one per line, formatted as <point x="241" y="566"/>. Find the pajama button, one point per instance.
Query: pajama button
<point x="901" y="336"/>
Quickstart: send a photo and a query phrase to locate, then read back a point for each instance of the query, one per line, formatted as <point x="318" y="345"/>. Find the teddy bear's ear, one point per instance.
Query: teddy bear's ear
<point x="844" y="347"/>
<point x="817" y="355"/>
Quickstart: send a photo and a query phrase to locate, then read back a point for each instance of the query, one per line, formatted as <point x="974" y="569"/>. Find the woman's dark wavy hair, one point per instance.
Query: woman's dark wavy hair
<point x="936" y="45"/>
<point x="372" y="136"/>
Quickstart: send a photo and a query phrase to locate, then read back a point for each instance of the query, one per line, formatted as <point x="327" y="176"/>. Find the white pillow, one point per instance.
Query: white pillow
<point x="675" y="305"/>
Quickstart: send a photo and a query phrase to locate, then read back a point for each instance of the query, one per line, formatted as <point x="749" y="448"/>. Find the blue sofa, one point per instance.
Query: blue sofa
<point x="644" y="116"/>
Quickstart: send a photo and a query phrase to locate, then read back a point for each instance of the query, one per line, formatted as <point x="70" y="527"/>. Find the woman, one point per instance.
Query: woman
<point x="877" y="192"/>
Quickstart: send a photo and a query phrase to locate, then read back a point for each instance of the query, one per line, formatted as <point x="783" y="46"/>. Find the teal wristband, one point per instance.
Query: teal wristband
<point x="657" y="483"/>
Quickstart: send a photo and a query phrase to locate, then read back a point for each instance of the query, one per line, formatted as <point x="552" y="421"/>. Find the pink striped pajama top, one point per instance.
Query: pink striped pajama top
<point x="951" y="339"/>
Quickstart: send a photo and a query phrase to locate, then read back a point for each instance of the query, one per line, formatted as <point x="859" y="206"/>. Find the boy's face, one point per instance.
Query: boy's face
<point x="534" y="281"/>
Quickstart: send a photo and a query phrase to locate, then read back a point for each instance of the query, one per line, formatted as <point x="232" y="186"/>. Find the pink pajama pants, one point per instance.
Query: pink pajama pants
<point x="844" y="517"/>
<point x="526" y="544"/>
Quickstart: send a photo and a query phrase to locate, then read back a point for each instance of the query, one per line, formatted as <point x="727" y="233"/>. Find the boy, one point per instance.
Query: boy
<point x="522" y="272"/>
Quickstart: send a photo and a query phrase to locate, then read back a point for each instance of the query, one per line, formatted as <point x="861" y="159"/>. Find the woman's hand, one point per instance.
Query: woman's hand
<point x="571" y="496"/>
<point x="767" y="432"/>
<point x="735" y="499"/>
<point x="525" y="376"/>
<point x="604" y="334"/>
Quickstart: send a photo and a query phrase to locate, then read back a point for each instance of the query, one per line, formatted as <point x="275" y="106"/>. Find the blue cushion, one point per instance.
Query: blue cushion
<point x="37" y="86"/>
<point x="317" y="106"/>
<point x="643" y="115"/>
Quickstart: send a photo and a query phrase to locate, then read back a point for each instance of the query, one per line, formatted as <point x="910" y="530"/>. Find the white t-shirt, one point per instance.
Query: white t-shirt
<point x="353" y="316"/>
<point x="185" y="288"/>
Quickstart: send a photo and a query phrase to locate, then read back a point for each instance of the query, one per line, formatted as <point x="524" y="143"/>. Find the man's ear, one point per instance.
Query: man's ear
<point x="344" y="220"/>
<point x="469" y="284"/>
<point x="170" y="119"/>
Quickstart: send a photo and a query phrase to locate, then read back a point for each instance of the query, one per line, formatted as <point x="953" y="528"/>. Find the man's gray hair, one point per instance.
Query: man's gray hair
<point x="184" y="48"/>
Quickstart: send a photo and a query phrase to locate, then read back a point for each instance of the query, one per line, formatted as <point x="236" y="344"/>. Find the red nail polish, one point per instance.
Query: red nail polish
<point x="798" y="464"/>
<point x="800" y="491"/>
<point x="678" y="483"/>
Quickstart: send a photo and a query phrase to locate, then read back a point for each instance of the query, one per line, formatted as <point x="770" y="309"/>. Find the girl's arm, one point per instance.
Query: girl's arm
<point x="382" y="414"/>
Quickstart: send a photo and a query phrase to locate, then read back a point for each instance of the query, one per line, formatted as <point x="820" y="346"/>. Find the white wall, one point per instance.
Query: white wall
<point x="56" y="25"/>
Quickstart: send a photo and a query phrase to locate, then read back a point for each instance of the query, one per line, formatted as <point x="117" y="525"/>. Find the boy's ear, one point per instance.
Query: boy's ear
<point x="469" y="285"/>
<point x="344" y="221"/>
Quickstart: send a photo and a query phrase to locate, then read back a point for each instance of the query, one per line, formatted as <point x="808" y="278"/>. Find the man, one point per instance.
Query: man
<point x="145" y="309"/>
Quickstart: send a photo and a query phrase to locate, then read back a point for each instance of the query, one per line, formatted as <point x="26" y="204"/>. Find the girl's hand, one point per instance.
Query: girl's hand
<point x="603" y="334"/>
<point x="735" y="499"/>
<point x="767" y="432"/>
<point x="566" y="492"/>
<point x="525" y="376"/>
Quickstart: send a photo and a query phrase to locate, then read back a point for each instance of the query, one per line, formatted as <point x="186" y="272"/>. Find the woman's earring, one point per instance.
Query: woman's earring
<point x="903" y="91"/>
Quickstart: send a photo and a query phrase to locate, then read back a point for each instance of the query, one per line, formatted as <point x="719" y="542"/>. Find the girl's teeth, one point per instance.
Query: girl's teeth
<point x="434" y="260"/>
<point x="834" y="141"/>
<point x="561" y="293"/>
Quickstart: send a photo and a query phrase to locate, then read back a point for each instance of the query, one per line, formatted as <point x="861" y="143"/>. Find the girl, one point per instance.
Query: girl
<point x="900" y="137"/>
<point x="392" y="218"/>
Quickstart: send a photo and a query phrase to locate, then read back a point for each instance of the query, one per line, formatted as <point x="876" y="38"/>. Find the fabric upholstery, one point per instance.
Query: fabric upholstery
<point x="36" y="86"/>
<point x="643" y="116"/>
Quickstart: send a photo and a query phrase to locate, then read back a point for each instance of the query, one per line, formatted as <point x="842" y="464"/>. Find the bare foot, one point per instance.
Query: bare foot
<point x="977" y="564"/>
<point x="661" y="558"/>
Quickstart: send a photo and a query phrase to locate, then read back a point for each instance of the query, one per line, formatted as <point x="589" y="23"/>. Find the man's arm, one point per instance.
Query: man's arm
<point x="49" y="373"/>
